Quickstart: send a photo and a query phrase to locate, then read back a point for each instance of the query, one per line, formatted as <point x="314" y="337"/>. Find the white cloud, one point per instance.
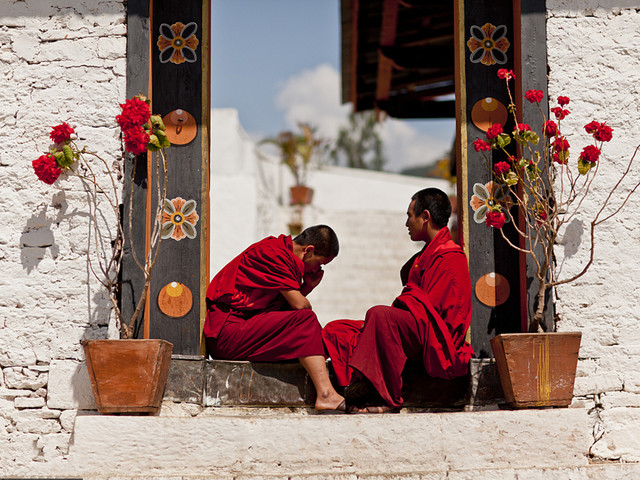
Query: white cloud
<point x="314" y="96"/>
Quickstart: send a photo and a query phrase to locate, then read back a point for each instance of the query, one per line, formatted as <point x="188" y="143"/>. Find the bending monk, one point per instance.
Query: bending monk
<point x="257" y="307"/>
<point x="426" y="324"/>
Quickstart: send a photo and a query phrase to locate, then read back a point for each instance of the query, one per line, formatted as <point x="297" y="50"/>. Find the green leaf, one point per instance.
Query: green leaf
<point x="503" y="140"/>
<point x="154" y="143"/>
<point x="59" y="156"/>
<point x="156" y="121"/>
<point x="584" y="167"/>
<point x="511" y="178"/>
<point x="532" y="137"/>
<point x="163" y="139"/>
<point x="66" y="159"/>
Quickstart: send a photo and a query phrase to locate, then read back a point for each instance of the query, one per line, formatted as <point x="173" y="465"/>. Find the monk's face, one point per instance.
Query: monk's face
<point x="313" y="263"/>
<point x="416" y="223"/>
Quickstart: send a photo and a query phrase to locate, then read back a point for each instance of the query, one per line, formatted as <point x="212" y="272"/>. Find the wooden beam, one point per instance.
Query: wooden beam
<point x="387" y="38"/>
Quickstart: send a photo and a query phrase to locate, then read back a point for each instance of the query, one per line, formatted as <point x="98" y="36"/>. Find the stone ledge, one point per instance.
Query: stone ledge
<point x="427" y="445"/>
<point x="239" y="383"/>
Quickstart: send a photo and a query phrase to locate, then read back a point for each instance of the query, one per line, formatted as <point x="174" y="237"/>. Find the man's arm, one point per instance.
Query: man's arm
<point x="295" y="299"/>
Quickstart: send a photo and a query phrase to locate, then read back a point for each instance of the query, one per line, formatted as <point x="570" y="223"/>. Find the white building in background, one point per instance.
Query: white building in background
<point x="249" y="195"/>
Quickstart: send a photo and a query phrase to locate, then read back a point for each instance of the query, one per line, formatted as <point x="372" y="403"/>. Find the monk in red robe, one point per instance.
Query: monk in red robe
<point x="426" y="323"/>
<point x="257" y="308"/>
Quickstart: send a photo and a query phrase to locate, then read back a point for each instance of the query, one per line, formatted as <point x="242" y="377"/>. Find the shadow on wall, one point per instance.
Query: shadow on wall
<point x="37" y="235"/>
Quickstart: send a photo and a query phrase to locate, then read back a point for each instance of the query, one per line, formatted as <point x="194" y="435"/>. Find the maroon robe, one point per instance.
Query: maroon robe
<point x="248" y="319"/>
<point x="427" y="323"/>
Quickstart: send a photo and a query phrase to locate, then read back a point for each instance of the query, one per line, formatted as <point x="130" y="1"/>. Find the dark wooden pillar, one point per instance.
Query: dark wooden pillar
<point x="484" y="43"/>
<point x="168" y="59"/>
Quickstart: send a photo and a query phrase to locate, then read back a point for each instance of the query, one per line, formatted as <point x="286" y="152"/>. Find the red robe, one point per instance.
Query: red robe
<point x="248" y="319"/>
<point x="426" y="323"/>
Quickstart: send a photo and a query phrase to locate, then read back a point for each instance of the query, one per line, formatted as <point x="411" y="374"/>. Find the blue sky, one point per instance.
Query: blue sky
<point x="278" y="62"/>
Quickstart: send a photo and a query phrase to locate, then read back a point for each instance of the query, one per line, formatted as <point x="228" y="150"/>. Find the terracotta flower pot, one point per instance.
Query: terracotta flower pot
<point x="301" y="195"/>
<point x="128" y="375"/>
<point x="537" y="369"/>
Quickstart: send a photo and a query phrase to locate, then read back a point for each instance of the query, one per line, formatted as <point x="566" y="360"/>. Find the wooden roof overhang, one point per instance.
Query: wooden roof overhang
<point x="398" y="57"/>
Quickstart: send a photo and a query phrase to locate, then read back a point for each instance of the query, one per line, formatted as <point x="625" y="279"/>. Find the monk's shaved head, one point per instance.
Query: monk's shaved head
<point x="322" y="237"/>
<point x="436" y="202"/>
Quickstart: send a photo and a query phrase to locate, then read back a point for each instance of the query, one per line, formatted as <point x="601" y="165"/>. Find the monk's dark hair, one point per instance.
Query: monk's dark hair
<point x="436" y="202"/>
<point x="322" y="237"/>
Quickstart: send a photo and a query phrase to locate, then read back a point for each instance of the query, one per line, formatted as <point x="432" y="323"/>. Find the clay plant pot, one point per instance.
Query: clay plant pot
<point x="537" y="369"/>
<point x="301" y="195"/>
<point x="128" y="376"/>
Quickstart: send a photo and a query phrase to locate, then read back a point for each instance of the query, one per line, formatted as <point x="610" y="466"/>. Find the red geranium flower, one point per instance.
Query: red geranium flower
<point x="560" y="113"/>
<point x="495" y="219"/>
<point x="591" y="127"/>
<point x="550" y="128"/>
<point x="562" y="101"/>
<point x="481" y="145"/>
<point x="534" y="96"/>
<point x="590" y="154"/>
<point x="501" y="167"/>
<point x="61" y="133"/>
<point x="135" y="113"/>
<point x="522" y="127"/>
<point x="504" y="73"/>
<point x="494" y="131"/>
<point x="604" y="133"/>
<point x="560" y="144"/>
<point x="563" y="160"/>
<point x="46" y="168"/>
<point x="136" y="140"/>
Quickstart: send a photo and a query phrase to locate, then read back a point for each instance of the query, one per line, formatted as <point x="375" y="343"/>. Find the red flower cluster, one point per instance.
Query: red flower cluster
<point x="501" y="167"/>
<point x="560" y="113"/>
<point x="495" y="219"/>
<point x="494" y="131"/>
<point x="562" y="101"/>
<point x="550" y="128"/>
<point x="534" y="96"/>
<point x="135" y="113"/>
<point x="522" y="127"/>
<point x="503" y="73"/>
<point x="61" y="133"/>
<point x="481" y="145"/>
<point x="601" y="131"/>
<point x="560" y="144"/>
<point x="590" y="154"/>
<point x="47" y="168"/>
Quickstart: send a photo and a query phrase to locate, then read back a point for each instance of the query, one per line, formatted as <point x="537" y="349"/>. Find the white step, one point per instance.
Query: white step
<point x="224" y="443"/>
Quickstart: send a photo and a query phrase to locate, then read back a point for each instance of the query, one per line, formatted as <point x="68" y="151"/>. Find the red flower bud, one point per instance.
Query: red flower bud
<point x="495" y="219"/>
<point x="46" y="168"/>
<point x="590" y="154"/>
<point x="534" y="96"/>
<point x="503" y="73"/>
<point x="550" y="128"/>
<point x="562" y="101"/>
<point x="604" y="133"/>
<point x="481" y="145"/>
<point x="501" y="167"/>
<point x="494" y="131"/>
<point x="61" y="133"/>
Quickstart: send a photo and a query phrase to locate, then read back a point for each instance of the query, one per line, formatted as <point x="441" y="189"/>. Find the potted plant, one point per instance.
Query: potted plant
<point x="547" y="190"/>
<point x="127" y="375"/>
<point x="296" y="152"/>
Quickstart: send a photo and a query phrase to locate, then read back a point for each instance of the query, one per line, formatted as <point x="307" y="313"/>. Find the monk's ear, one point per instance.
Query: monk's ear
<point x="308" y="249"/>
<point x="426" y="214"/>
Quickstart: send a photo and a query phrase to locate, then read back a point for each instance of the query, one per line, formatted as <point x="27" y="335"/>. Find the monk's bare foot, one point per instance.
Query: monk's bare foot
<point x="373" y="409"/>
<point x="330" y="402"/>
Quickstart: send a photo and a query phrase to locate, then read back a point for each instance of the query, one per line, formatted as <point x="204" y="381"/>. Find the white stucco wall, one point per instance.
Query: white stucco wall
<point x="59" y="61"/>
<point x="594" y="59"/>
<point x="367" y="210"/>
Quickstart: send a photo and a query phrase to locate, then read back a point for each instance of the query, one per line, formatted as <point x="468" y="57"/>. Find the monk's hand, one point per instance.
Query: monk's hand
<point x="310" y="281"/>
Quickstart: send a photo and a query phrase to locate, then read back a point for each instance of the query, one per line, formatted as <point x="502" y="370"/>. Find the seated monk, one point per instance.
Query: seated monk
<point x="426" y="323"/>
<point x="257" y="307"/>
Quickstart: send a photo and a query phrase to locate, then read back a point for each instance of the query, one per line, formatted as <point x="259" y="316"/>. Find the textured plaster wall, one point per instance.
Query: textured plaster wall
<point x="59" y="61"/>
<point x="594" y="58"/>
